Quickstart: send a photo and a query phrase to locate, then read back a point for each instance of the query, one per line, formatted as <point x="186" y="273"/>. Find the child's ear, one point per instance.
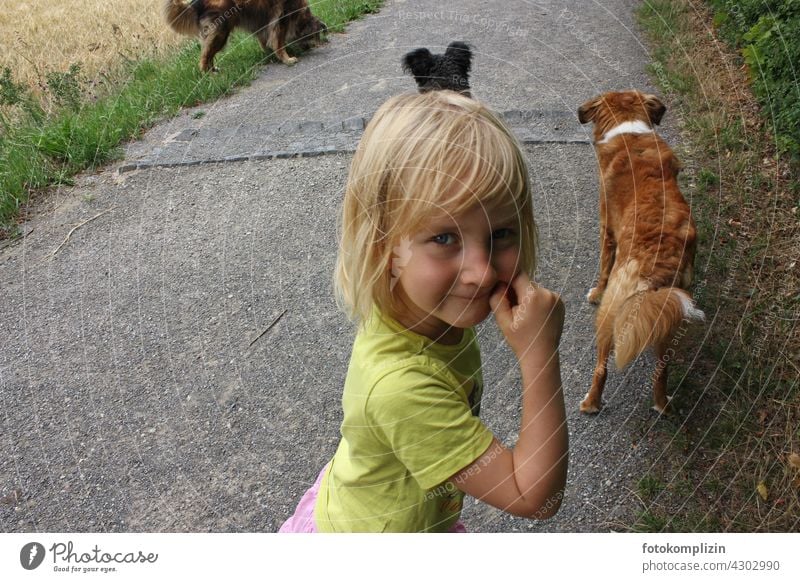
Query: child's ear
<point x="418" y="62"/>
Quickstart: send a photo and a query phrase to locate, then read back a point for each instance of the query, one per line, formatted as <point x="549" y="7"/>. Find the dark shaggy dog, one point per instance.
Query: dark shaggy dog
<point x="276" y="23"/>
<point x="439" y="72"/>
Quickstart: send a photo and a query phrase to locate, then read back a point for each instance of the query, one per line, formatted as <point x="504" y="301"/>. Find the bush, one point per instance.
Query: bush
<point x="768" y="34"/>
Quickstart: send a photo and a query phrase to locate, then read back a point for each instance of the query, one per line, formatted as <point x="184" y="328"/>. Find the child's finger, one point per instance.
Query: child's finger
<point x="521" y="286"/>
<point x="500" y="305"/>
<point x="511" y="296"/>
<point x="521" y="289"/>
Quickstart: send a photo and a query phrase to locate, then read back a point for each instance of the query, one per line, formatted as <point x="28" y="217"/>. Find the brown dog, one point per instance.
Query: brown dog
<point x="276" y="23"/>
<point x="647" y="240"/>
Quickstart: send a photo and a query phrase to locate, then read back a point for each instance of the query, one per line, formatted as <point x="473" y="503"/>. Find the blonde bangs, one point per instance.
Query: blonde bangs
<point x="422" y="155"/>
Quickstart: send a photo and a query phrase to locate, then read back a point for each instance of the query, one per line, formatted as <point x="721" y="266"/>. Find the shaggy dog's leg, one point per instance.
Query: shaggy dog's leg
<point x="213" y="38"/>
<point x="274" y="37"/>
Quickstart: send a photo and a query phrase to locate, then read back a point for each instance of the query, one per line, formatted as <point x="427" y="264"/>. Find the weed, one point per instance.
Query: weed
<point x="706" y="179"/>
<point x="648" y="522"/>
<point x="16" y="95"/>
<point x="11" y="93"/>
<point x="649" y="487"/>
<point x="66" y="88"/>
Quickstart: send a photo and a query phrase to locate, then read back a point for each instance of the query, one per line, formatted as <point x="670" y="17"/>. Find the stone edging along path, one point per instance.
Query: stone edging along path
<point x="306" y="139"/>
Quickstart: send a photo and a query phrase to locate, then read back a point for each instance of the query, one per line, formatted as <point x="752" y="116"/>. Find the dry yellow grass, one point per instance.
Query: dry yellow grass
<point x="37" y="37"/>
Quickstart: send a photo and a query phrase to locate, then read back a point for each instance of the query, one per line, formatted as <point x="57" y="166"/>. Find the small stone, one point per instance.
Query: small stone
<point x="310" y="127"/>
<point x="353" y="124"/>
<point x="313" y="153"/>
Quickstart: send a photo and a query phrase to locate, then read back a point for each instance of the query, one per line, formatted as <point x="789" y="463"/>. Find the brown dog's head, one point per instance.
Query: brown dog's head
<point x="610" y="109"/>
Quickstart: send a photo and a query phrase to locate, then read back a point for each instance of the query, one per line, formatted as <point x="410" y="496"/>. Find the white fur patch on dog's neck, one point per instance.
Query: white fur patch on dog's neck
<point x="626" y="127"/>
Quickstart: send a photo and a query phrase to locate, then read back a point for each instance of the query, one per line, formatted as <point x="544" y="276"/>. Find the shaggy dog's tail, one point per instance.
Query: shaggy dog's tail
<point x="651" y="318"/>
<point x="181" y="17"/>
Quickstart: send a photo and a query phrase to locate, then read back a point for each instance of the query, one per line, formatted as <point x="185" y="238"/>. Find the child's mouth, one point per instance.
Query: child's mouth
<point x="480" y="297"/>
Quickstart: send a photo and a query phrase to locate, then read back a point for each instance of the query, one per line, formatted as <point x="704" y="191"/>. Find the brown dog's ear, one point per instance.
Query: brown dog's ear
<point x="587" y="111"/>
<point x="655" y="108"/>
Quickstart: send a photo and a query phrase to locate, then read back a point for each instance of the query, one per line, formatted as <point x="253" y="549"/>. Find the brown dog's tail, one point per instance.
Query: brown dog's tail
<point x="181" y="17"/>
<point x="651" y="317"/>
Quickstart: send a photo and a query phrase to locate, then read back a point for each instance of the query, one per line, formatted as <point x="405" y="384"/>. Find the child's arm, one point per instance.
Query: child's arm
<point x="529" y="480"/>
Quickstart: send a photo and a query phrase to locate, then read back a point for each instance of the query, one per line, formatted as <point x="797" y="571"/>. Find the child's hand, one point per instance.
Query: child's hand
<point x="530" y="317"/>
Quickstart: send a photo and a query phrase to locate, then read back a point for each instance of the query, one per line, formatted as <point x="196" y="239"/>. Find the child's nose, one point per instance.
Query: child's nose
<point x="478" y="269"/>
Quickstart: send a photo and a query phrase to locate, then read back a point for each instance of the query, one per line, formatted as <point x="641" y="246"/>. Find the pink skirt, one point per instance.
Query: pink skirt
<point x="303" y="519"/>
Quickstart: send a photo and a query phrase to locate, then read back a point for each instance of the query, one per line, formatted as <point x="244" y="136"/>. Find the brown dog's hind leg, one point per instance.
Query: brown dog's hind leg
<point x="593" y="401"/>
<point x="608" y="247"/>
<point x="660" y="398"/>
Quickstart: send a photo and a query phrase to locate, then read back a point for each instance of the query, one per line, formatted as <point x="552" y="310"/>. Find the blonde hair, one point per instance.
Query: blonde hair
<point x="423" y="153"/>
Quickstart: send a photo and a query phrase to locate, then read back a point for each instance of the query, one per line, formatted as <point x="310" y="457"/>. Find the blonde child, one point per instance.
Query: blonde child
<point x="437" y="232"/>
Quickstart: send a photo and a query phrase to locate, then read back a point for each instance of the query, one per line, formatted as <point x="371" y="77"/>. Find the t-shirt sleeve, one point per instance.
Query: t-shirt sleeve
<point x="425" y="419"/>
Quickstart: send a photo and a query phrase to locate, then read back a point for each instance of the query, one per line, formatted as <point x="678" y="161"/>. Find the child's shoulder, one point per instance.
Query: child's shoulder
<point x="385" y="348"/>
<point x="379" y="358"/>
<point x="413" y="369"/>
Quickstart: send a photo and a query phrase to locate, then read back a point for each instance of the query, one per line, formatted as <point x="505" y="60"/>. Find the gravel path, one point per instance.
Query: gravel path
<point x="131" y="396"/>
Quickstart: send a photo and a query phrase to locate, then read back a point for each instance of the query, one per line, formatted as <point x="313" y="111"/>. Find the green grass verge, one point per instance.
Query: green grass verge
<point x="38" y="150"/>
<point x="727" y="456"/>
<point x="768" y="35"/>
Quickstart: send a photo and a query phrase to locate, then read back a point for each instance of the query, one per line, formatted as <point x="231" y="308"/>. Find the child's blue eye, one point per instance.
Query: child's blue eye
<point x="502" y="233"/>
<point x="444" y="239"/>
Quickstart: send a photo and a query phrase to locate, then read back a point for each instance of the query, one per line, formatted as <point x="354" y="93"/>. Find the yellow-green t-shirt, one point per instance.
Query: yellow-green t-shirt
<point x="410" y="423"/>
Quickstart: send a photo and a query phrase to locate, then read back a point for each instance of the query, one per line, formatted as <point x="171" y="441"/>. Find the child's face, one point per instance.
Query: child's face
<point x="443" y="274"/>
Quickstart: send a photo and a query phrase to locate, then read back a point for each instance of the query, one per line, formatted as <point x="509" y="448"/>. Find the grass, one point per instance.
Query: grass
<point x="45" y="138"/>
<point x="725" y="456"/>
<point x="37" y="39"/>
<point x="650" y="486"/>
